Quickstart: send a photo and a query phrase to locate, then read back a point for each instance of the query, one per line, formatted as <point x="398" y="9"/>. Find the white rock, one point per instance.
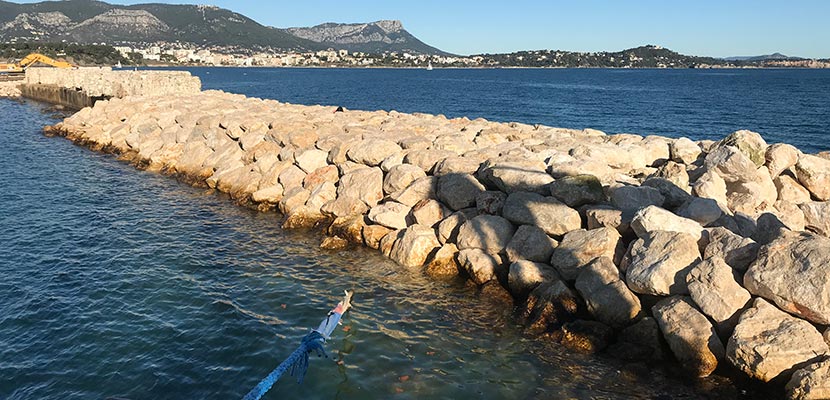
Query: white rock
<point x="415" y="246"/>
<point x="488" y="232"/>
<point x="768" y="343"/>
<point x="530" y="243"/>
<point x="814" y="174"/>
<point x="390" y="214"/>
<point x="792" y="271"/>
<point x="579" y="247"/>
<point x="658" y="263"/>
<point x="653" y="218"/>
<point x="714" y="288"/>
<point x="606" y="296"/>
<point x="552" y="216"/>
<point x="691" y="337"/>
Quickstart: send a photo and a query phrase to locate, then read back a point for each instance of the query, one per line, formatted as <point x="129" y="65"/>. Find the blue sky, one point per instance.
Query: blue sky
<point x="698" y="27"/>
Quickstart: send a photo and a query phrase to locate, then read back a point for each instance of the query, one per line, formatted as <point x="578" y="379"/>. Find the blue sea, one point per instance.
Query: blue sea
<point x="118" y="283"/>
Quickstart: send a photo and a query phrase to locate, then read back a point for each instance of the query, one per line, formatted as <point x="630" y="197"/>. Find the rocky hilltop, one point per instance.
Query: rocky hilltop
<point x="87" y="21"/>
<point x="713" y="255"/>
<point x="375" y="37"/>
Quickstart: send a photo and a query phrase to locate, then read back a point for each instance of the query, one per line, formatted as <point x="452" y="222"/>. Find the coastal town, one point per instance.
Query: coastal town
<point x="187" y="54"/>
<point x="164" y="53"/>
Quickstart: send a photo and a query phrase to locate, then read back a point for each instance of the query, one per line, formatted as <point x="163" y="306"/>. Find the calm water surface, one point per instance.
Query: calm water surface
<point x="121" y="283"/>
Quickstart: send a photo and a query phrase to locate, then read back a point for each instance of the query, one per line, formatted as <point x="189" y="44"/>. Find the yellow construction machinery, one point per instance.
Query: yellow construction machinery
<point x="31" y="60"/>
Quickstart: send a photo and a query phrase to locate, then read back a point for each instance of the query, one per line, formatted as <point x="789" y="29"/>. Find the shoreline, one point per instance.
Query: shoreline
<point x="605" y="242"/>
<point x="161" y="66"/>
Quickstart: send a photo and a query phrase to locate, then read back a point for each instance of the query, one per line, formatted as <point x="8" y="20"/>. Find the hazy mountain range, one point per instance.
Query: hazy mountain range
<point x="89" y="21"/>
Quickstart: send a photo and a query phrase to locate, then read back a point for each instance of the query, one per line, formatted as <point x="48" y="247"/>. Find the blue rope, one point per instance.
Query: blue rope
<point x="297" y="362"/>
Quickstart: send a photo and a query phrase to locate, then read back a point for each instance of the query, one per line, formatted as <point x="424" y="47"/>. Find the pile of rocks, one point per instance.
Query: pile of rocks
<point x="714" y="252"/>
<point x="9" y="89"/>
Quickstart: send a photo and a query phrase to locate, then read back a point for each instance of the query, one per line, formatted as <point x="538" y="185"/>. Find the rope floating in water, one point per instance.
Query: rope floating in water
<point x="298" y="360"/>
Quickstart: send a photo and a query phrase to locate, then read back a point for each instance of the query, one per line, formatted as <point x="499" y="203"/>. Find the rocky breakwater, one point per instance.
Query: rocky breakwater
<point x="9" y="88"/>
<point x="714" y="254"/>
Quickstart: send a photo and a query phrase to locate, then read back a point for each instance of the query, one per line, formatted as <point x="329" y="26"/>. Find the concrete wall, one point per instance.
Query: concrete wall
<point x="104" y="82"/>
<point x="68" y="97"/>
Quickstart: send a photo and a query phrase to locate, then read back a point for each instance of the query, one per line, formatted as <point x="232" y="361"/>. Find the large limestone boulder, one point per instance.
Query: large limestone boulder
<point x="811" y="382"/>
<point x="416" y="245"/>
<point x="683" y="150"/>
<point x="608" y="298"/>
<point x="516" y="176"/>
<point x="530" y="243"/>
<point x="292" y="177"/>
<point x="427" y="159"/>
<point x="457" y="165"/>
<point x="401" y="176"/>
<point x="458" y="191"/>
<point x="701" y="210"/>
<point x="689" y="334"/>
<point x="814" y="174"/>
<point x="781" y="157"/>
<point x="490" y="202"/>
<point x="372" y="235"/>
<point x="792" y="271"/>
<point x="674" y="194"/>
<point x="737" y="251"/>
<point x="580" y="246"/>
<point x="268" y="195"/>
<point x="599" y="216"/>
<point x="390" y="214"/>
<point x="320" y="175"/>
<point x="748" y="142"/>
<point x="633" y="198"/>
<point x="658" y="263"/>
<point x="448" y="227"/>
<point x="372" y="152"/>
<point x="364" y="184"/>
<point x="653" y="218"/>
<point x="444" y="264"/>
<point x="817" y="216"/>
<point x="481" y="266"/>
<point x="731" y="164"/>
<point x="790" y="190"/>
<point x="428" y="212"/>
<point x="310" y="160"/>
<point x="768" y="343"/>
<point x="523" y="276"/>
<point x="714" y="288"/>
<point x="578" y="190"/>
<point x="710" y="185"/>
<point x="549" y="214"/>
<point x="321" y="195"/>
<point x="674" y="173"/>
<point x="420" y="189"/>
<point x="487" y="232"/>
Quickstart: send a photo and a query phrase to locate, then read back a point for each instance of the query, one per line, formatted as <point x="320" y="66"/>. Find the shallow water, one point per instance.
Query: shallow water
<point x="123" y="283"/>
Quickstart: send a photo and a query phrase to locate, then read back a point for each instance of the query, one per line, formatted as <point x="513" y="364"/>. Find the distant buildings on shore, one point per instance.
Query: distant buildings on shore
<point x="229" y="56"/>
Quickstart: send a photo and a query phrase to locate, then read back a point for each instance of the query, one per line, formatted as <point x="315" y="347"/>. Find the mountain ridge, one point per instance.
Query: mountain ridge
<point x="92" y="21"/>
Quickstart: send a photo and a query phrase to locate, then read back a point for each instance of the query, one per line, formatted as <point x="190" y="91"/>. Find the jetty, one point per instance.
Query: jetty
<point x="714" y="254"/>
